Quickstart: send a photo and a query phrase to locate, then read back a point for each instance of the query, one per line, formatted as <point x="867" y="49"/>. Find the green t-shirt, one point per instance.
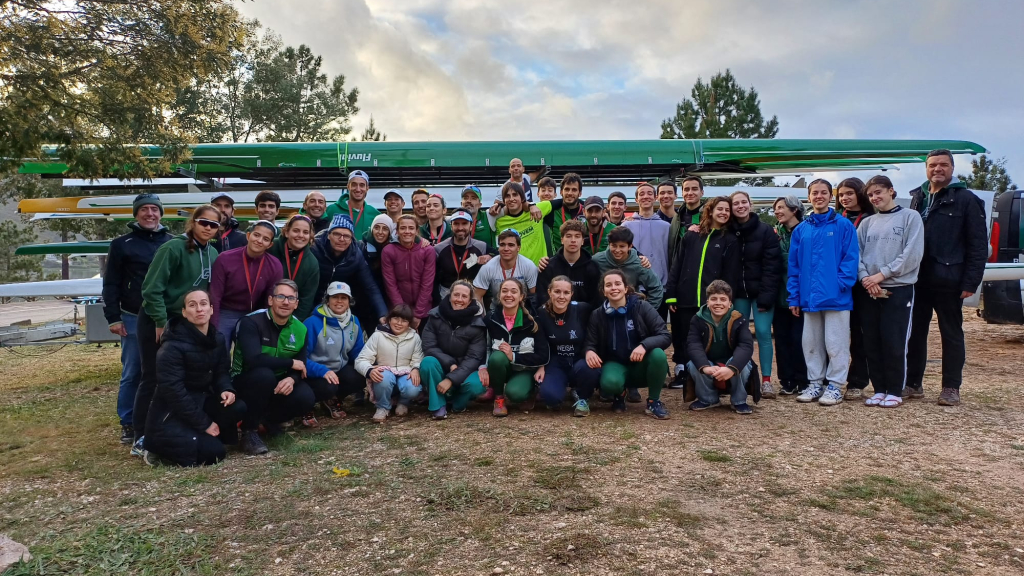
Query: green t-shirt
<point x="530" y="233"/>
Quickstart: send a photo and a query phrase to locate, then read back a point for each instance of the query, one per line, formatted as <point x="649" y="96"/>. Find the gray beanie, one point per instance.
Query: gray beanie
<point x="144" y="199"/>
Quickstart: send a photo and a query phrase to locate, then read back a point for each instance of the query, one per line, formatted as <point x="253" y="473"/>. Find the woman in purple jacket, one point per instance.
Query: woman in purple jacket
<point x="408" y="267"/>
<point x="243" y="278"/>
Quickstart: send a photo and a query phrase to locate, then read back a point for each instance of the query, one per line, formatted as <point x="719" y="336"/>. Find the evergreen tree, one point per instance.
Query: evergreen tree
<point x="371" y="134"/>
<point x="988" y="175"/>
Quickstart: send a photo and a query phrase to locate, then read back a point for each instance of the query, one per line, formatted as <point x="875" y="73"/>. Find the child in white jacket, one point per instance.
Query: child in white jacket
<point x="391" y="360"/>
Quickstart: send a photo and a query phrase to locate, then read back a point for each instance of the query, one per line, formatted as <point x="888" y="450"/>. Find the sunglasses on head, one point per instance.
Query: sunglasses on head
<point x="207" y="223"/>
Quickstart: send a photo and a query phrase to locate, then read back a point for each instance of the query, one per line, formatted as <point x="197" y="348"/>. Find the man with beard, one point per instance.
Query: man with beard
<point x="394" y="204"/>
<point x="472" y="199"/>
<point x="352" y="203"/>
<point x="597" y="227"/>
<point x="229" y="235"/>
<point x="314" y="205"/>
<point x="268" y="205"/>
<point x="459" y="257"/>
<point x="419" y="206"/>
<point x="128" y="260"/>
<point x="572" y="188"/>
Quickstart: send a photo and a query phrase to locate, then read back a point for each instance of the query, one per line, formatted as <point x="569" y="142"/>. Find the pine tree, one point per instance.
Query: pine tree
<point x="988" y="175"/>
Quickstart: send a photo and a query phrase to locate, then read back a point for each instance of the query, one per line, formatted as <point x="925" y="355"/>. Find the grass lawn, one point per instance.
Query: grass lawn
<point x="793" y="489"/>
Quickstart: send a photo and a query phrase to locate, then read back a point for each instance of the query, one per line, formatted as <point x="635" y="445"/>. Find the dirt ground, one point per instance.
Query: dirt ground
<point x="792" y="489"/>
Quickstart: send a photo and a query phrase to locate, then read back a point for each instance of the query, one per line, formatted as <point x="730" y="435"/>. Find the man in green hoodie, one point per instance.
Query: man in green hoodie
<point x="353" y="203"/>
<point x="720" y="347"/>
<point x="620" y="254"/>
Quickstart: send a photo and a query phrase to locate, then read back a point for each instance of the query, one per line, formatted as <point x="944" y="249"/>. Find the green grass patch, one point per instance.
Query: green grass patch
<point x="483" y="462"/>
<point x="714" y="456"/>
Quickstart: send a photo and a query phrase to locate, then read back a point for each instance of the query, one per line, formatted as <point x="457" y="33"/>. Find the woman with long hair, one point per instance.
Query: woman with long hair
<point x="626" y="341"/>
<point x="852" y="203"/>
<point x="565" y="321"/>
<point x="292" y="249"/>
<point x="757" y="286"/>
<point x="789" y="352"/>
<point x="518" y="349"/>
<point x="179" y="265"/>
<point x="194" y="411"/>
<point x="243" y="278"/>
<point x="705" y="255"/>
<point x="454" y="347"/>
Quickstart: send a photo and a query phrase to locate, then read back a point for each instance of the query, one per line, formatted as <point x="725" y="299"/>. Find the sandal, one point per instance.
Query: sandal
<point x="875" y="400"/>
<point x="891" y="401"/>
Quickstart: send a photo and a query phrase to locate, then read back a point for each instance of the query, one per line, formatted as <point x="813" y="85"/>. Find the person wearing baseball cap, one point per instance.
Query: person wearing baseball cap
<point x="394" y="205"/>
<point x="352" y="203"/>
<point x="229" y="236"/>
<point x="335" y="339"/>
<point x="597" y="226"/>
<point x="472" y="200"/>
<point x="341" y="260"/>
<point x="128" y="260"/>
<point x="461" y="256"/>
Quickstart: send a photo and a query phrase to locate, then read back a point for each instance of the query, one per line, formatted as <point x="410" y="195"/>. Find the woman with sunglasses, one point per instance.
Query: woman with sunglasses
<point x="292" y="249"/>
<point x="243" y="278"/>
<point x="181" y="264"/>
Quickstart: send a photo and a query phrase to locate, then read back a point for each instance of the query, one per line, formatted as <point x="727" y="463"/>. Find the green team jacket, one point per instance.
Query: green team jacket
<point x="173" y="272"/>
<point x="278" y="345"/>
<point x="300" y="266"/>
<point x="362" y="219"/>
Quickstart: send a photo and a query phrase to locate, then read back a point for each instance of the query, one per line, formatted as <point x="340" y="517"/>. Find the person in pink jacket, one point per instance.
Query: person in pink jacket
<point x="408" y="268"/>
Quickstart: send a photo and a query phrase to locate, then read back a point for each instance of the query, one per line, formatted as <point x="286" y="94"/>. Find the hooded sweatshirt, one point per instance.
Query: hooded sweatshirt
<point x="639" y="277"/>
<point x="333" y="341"/>
<point x="174" y="272"/>
<point x="823" y="256"/>
<point x="891" y="243"/>
<point x="650" y="237"/>
<point x="128" y="260"/>
<point x="234" y="288"/>
<point x="361" y="219"/>
<point x="300" y="266"/>
<point x="583" y="274"/>
<point x="399" y="353"/>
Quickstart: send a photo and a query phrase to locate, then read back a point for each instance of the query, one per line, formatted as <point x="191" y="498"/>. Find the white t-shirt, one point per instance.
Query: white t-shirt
<point x="491" y="275"/>
<point x="526" y="187"/>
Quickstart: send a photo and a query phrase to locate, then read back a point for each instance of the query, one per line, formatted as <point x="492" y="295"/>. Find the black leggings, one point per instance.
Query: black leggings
<point x="791" y="367"/>
<point x="886" y="323"/>
<point x="680" y="329"/>
<point x="145" y="331"/>
<point x="209" y="449"/>
<point x="349" y="382"/>
<point x="858" y="376"/>
<point x="256" y="388"/>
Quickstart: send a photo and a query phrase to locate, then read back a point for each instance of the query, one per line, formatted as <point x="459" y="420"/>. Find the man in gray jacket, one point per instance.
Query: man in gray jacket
<point x="891" y="247"/>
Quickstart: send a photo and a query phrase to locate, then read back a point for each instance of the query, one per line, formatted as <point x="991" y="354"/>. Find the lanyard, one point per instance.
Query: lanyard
<point x="433" y="238"/>
<point x="593" y="248"/>
<point x="512" y="275"/>
<point x="288" y="262"/>
<point x="855" y="222"/>
<point x="355" y="221"/>
<point x="248" y="281"/>
<point x="459" y="263"/>
<point x="574" y="217"/>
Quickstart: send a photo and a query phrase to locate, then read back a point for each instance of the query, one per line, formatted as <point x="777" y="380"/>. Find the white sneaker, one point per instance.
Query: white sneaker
<point x="401" y="410"/>
<point x="832" y="396"/>
<point x="380" y="415"/>
<point x="811" y="393"/>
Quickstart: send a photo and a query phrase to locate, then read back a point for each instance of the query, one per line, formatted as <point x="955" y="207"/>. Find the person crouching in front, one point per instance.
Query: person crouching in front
<point x="720" y="347"/>
<point x="391" y="360"/>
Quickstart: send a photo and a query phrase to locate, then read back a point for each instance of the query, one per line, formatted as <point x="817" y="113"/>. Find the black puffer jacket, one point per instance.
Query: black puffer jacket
<point x="190" y="366"/>
<point x="650" y="328"/>
<point x="529" y="346"/>
<point x="465" y="346"/>
<point x="719" y="260"/>
<point x="955" y="238"/>
<point x="760" y="261"/>
<point x="128" y="260"/>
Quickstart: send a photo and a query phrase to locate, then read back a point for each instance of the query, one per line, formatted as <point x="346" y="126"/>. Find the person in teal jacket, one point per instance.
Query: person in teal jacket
<point x="823" y="260"/>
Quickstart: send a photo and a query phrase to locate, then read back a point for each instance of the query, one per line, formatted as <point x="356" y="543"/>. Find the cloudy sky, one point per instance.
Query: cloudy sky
<point x="576" y="69"/>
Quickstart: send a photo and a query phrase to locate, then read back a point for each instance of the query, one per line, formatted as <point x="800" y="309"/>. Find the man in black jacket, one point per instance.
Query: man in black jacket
<point x="955" y="250"/>
<point x="229" y="236"/>
<point x="573" y="262"/>
<point x="128" y="260"/>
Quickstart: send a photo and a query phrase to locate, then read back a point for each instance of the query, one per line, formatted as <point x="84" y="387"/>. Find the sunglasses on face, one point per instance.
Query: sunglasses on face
<point x="207" y="223"/>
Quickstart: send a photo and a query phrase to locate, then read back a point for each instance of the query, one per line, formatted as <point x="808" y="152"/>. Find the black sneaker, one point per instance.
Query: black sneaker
<point x="151" y="459"/>
<point x="633" y="396"/>
<point x="127" y="434"/>
<point x="679" y="381"/>
<point x="251" y="443"/>
<point x="619" y="404"/>
<point x="788" y="388"/>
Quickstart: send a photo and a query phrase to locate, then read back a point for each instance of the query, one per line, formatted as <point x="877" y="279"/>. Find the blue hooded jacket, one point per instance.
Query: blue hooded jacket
<point x="823" y="259"/>
<point x="326" y="336"/>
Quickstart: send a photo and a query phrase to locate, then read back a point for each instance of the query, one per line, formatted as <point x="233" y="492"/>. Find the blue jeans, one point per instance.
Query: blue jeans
<point x="383" y="390"/>
<point x="131" y="370"/>
<point x="558" y="375"/>
<point x="706" y="391"/>
<point x="226" y="325"/>
<point x="763" y="328"/>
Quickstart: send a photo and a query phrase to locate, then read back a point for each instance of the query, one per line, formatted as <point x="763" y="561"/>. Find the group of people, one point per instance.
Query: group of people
<point x="229" y="335"/>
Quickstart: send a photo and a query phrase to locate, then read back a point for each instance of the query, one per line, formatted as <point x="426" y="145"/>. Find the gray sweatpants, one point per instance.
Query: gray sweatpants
<point x="826" y="340"/>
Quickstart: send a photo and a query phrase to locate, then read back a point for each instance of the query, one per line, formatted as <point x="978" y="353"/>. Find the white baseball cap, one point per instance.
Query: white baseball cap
<point x="335" y="288"/>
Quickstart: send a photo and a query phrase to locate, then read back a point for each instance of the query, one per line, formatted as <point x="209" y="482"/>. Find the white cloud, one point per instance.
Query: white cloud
<point x="469" y="70"/>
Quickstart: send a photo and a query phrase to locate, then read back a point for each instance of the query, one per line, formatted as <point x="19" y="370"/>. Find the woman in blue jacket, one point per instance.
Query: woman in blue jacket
<point x="823" y="259"/>
<point x="335" y="340"/>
